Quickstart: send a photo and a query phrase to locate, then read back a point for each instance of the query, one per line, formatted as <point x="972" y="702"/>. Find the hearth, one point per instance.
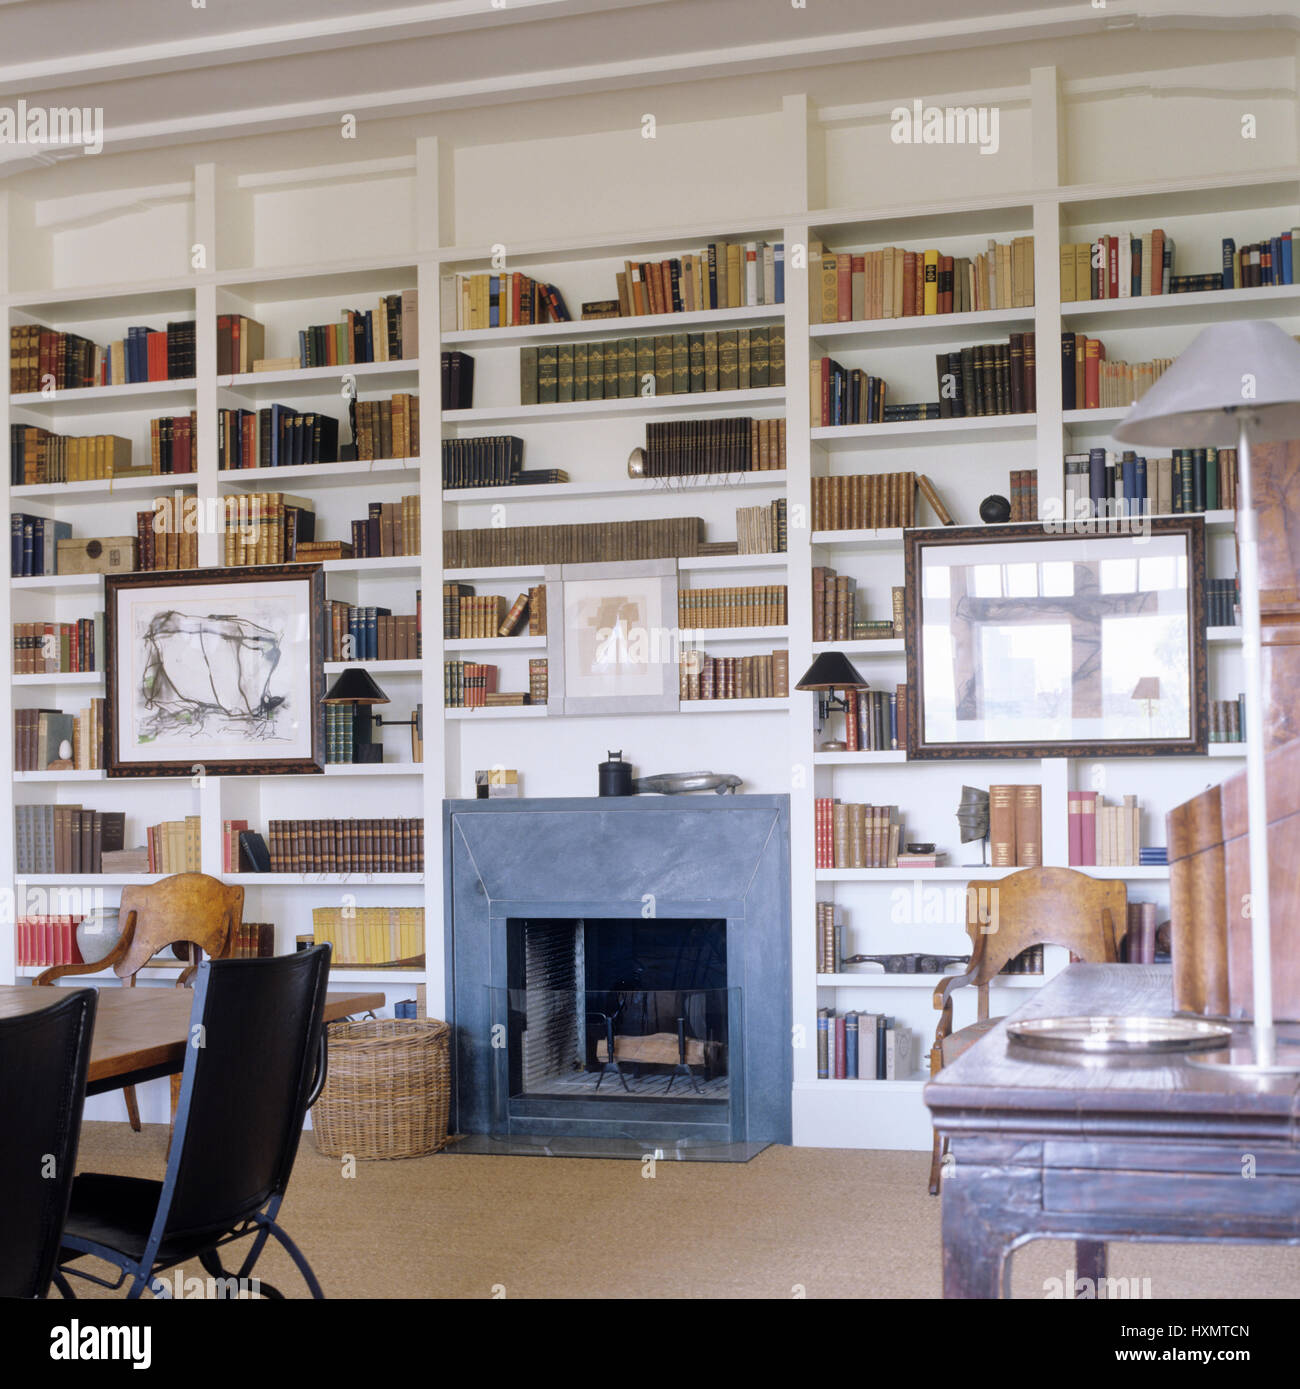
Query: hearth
<point x="618" y="976"/>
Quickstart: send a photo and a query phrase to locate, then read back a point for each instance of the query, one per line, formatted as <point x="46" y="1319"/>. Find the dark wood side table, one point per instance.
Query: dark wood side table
<point x="1114" y="1149"/>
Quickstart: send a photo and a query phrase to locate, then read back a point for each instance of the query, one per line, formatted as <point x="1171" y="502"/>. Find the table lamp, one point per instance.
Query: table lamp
<point x="831" y="671"/>
<point x="1236" y="384"/>
<point x="1148" y="690"/>
<point x="355" y="686"/>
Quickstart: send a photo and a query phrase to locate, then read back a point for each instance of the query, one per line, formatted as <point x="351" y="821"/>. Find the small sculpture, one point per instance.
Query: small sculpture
<point x="994" y="509"/>
<point x="636" y="463"/>
<point x="973" y="819"/>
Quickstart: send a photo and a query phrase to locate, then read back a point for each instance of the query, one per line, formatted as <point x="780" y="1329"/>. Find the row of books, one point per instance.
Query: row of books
<point x="370" y="935"/>
<point x="491" y="460"/>
<point x="1121" y="266"/>
<point x="388" y="428"/>
<point x="871" y="501"/>
<point x="852" y="835"/>
<point x="762" y="530"/>
<point x="1139" y="944"/>
<point x="174" y="443"/>
<point x="539" y="681"/>
<point x="727" y="359"/>
<point x="468" y="684"/>
<point x="167" y="537"/>
<point x="457" y="381"/>
<point x="65" y="838"/>
<point x="1024" y="494"/>
<point x="340" y="731"/>
<point x="33" y="544"/>
<point x="734" y="677"/>
<point x="834" y="609"/>
<point x="175" y="846"/>
<point x="42" y="941"/>
<point x="241" y="343"/>
<point x="725" y="275"/>
<point x="892" y="282"/>
<point x="506" y="300"/>
<point x="39" y="356"/>
<point x="388" y="333"/>
<point x="38" y="455"/>
<point x="1089" y="381"/>
<point x="465" y="615"/>
<point x="1260" y="262"/>
<point x="1102" y="835"/>
<point x="389" y="529"/>
<point x="582" y="543"/>
<point x="753" y="605"/>
<point x="346" y="846"/>
<point x="684" y="448"/>
<point x="1016" y="826"/>
<point x="40" y="734"/>
<point x="862" y="1046"/>
<point x="876" y="720"/>
<point x="59" y="648"/>
<point x="266" y="527"/>
<point x="253" y="940"/>
<point x="1228" y="720"/>
<point x="1104" y="483"/>
<point x="846" y="395"/>
<point x="1221" y="599"/>
<point x="366" y="632"/>
<point x="989" y="379"/>
<point x="275" y="436"/>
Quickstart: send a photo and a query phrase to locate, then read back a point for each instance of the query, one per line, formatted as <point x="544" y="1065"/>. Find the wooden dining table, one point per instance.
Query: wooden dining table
<point x="140" y="1033"/>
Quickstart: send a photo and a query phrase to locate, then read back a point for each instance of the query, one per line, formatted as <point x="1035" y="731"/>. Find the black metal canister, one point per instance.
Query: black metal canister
<point x="615" y="776"/>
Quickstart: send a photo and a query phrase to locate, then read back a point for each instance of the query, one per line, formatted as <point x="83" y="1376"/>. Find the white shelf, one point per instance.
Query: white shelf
<point x="499" y="644"/>
<point x="699" y="402"/>
<point x="354" y="474"/>
<point x="774" y="560"/>
<point x="60" y="583"/>
<point x="869" y="979"/>
<point x="1161" y="310"/>
<point x="504" y="572"/>
<point x="507" y="711"/>
<point x="700" y="636"/>
<point x="388" y="567"/>
<point x="689" y="485"/>
<point x="854" y="759"/>
<point x="374" y="769"/>
<point x="909" y="875"/>
<point x="881" y="646"/>
<point x="1226" y="750"/>
<point x="734" y="706"/>
<point x="317" y="380"/>
<point x="917" y="328"/>
<point x="888" y="538"/>
<point x="643" y="325"/>
<point x="912" y="1085"/>
<point x="100" y="489"/>
<point x="998" y="429"/>
<point x="1224" y="636"/>
<point x="88" y="879"/>
<point x="64" y="677"/>
<point x="378" y="668"/>
<point x="97" y="400"/>
<point x="98" y="774"/>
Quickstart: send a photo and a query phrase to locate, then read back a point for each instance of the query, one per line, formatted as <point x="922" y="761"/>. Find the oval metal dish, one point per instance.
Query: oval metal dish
<point x="1119" y="1034"/>
<point x="678" y="783"/>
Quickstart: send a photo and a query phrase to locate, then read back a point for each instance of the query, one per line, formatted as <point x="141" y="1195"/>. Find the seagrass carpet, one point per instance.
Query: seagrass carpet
<point x="816" y="1222"/>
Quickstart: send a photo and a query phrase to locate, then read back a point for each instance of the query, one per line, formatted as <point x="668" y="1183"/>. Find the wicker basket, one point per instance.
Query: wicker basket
<point x="388" y="1089"/>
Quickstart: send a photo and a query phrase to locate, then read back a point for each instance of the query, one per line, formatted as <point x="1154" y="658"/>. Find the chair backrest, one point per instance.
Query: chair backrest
<point x="185" y="907"/>
<point x="1042" y="906"/>
<point x="43" y="1061"/>
<point x="254" y="1036"/>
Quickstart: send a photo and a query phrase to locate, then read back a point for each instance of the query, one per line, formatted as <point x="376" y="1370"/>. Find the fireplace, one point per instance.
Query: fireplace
<point x="618" y="975"/>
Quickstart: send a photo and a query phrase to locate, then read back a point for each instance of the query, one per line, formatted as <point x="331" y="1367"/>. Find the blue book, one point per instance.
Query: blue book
<point x="1229" y="255"/>
<point x="16" y="519"/>
<point x="369" y="344"/>
<point x="893" y="721"/>
<point x="1129" y="487"/>
<point x="1097" y="480"/>
<point x="851" y="1046"/>
<point x="1285" y="239"/>
<point x="778" y="267"/>
<point x="494" y="301"/>
<point x="302" y="347"/>
<point x="823" y="1044"/>
<point x="1143" y="500"/>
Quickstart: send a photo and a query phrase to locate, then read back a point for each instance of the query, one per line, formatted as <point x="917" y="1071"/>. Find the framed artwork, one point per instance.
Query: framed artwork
<point x="612" y="637"/>
<point x="219" y="669"/>
<point x="1026" y="642"/>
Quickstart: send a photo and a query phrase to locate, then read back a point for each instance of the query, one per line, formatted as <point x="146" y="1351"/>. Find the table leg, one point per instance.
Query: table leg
<point x="977" y="1241"/>
<point x="1089" y="1262"/>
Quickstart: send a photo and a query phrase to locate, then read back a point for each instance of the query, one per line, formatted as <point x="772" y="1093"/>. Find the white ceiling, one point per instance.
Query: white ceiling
<point x="167" y="73"/>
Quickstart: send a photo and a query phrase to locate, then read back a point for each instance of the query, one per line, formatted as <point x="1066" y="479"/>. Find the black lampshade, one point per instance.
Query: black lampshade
<point x="355" y="686"/>
<point x="832" y="670"/>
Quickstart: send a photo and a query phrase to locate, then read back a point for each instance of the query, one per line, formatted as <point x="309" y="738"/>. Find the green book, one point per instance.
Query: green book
<point x="758" y="359"/>
<point x="681" y="363"/>
<point x="547" y="375"/>
<point x="710" y="361"/>
<point x="742" y="359"/>
<point x="581" y="351"/>
<point x="627" y="368"/>
<point x="528" y="376"/>
<point x="595" y="371"/>
<point x="663" y="365"/>
<point x="645" y="366"/>
<point x="695" y="344"/>
<point x="1211" y="479"/>
<point x="776" y="355"/>
<point x="564" y="376"/>
<point x="727" y="360"/>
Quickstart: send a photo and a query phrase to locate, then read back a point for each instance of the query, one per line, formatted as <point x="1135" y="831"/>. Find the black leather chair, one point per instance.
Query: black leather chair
<point x="43" y="1060"/>
<point x="255" y="1067"/>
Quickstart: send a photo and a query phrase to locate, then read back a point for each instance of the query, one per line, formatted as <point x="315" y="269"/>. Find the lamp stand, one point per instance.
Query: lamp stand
<point x="1263" y="1057"/>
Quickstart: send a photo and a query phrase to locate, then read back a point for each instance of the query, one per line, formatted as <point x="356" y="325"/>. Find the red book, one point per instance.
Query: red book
<point x="1157" y="261"/>
<point x="1074" y="823"/>
<point x="945" y="284"/>
<point x="840" y="1047"/>
<point x="1112" y="267"/>
<point x="1094" y="351"/>
<point x="851" y="721"/>
<point x="1087" y="828"/>
<point x="909" y="278"/>
<point x="844" y="288"/>
<point x="156" y="352"/>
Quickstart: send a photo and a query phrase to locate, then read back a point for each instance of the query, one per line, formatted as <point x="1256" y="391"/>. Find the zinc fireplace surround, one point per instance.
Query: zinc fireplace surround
<point x="644" y="858"/>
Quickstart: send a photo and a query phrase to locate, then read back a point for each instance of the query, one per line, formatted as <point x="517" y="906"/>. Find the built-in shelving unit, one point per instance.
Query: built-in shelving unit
<point x="408" y="225"/>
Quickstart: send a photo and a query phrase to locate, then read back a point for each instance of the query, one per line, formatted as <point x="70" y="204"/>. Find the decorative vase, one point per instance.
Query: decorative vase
<point x="97" y="934"/>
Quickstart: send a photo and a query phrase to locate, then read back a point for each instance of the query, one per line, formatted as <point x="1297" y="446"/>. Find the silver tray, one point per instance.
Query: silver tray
<point x="1119" y="1034"/>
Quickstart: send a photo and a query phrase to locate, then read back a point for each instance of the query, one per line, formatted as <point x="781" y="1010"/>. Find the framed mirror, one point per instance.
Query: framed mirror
<point x="1028" y="642"/>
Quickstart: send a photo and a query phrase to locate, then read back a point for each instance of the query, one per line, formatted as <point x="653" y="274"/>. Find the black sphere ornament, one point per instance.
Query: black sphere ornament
<point x="994" y="509"/>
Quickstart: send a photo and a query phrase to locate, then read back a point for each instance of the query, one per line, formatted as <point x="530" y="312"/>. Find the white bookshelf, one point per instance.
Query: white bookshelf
<point x="838" y="180"/>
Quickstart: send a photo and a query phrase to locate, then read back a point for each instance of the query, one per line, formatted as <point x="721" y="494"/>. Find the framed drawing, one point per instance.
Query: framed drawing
<point x="1023" y="642"/>
<point x="611" y="646"/>
<point x="215" y="668"/>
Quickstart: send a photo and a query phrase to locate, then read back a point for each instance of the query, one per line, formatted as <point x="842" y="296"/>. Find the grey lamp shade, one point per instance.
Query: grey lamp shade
<point x="832" y="670"/>
<point x="1253" y="366"/>
<point x="354" y="686"/>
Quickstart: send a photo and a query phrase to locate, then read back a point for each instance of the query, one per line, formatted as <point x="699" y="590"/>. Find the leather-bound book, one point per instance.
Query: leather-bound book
<point x="1002" y="826"/>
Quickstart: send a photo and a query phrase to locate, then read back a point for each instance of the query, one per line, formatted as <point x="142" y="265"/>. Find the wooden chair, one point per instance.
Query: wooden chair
<point x="187" y="908"/>
<point x="1038" y="906"/>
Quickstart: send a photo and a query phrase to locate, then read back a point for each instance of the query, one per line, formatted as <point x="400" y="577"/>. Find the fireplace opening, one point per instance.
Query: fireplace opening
<point x="618" y="1009"/>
